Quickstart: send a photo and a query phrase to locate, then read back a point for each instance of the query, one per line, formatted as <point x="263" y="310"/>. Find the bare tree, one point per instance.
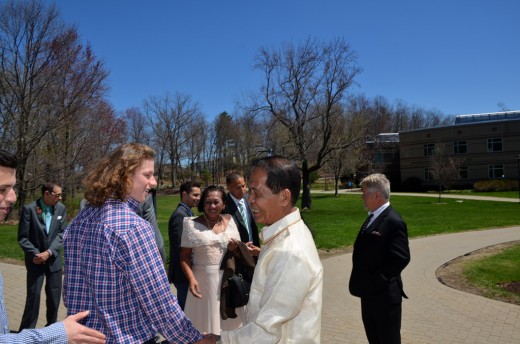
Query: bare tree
<point x="47" y="77"/>
<point x="137" y="126"/>
<point x="226" y="138"/>
<point x="346" y="159"/>
<point x="445" y="168"/>
<point x="170" y="115"/>
<point x="195" y="136"/>
<point x="304" y="88"/>
<point x="249" y="137"/>
<point x="210" y="161"/>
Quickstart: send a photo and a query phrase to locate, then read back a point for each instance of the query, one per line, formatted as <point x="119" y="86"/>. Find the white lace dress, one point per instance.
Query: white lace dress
<point x="208" y="249"/>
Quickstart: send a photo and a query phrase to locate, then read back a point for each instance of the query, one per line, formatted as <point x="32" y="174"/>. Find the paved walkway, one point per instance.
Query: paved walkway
<point x="434" y="313"/>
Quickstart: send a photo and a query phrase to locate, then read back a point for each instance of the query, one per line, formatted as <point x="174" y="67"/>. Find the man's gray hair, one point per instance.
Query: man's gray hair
<point x="377" y="182"/>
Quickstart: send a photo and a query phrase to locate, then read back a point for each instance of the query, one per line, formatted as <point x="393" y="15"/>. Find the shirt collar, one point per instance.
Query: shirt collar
<point x="235" y="199"/>
<point x="45" y="206"/>
<point x="186" y="206"/>
<point x="133" y="204"/>
<point x="271" y="231"/>
<point x="379" y="210"/>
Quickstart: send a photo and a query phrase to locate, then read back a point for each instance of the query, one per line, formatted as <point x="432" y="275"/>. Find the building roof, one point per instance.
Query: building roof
<point x="385" y="138"/>
<point x="491" y="116"/>
<point x="474" y="119"/>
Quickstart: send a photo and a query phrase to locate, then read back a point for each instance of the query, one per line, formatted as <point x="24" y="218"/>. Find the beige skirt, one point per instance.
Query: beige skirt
<point x="204" y="313"/>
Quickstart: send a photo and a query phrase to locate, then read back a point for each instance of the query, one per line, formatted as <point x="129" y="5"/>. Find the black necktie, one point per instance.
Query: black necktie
<point x="365" y="224"/>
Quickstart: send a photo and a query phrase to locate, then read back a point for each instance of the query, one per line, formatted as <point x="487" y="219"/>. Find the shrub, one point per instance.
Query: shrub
<point x="496" y="185"/>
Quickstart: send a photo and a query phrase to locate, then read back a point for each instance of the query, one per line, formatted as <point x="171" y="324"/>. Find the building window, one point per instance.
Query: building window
<point x="460" y="147"/>
<point x="429" y="149"/>
<point x="463" y="172"/>
<point x="428" y="174"/>
<point x="495" y="144"/>
<point x="496" y="171"/>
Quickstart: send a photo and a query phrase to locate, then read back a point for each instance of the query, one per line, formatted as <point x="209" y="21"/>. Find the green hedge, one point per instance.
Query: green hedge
<point x="496" y="185"/>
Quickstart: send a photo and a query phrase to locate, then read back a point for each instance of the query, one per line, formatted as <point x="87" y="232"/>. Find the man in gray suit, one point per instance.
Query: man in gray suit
<point x="40" y="233"/>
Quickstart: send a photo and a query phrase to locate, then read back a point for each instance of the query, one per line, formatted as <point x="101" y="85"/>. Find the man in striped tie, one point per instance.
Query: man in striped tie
<point x="238" y="207"/>
<point x="381" y="252"/>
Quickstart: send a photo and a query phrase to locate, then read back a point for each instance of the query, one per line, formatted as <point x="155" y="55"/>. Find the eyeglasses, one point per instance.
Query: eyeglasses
<point x="57" y="195"/>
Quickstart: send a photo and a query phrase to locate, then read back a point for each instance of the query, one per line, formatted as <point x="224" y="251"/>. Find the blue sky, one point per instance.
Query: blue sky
<point x="455" y="56"/>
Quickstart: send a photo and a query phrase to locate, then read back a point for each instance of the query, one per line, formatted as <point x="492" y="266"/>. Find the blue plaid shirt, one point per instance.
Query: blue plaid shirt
<point x="53" y="334"/>
<point x="113" y="268"/>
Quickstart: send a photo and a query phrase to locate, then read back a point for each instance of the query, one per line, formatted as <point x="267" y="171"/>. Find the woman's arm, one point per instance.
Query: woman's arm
<point x="185" y="260"/>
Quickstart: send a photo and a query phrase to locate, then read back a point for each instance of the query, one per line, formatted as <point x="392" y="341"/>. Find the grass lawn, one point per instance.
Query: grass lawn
<point x="492" y="272"/>
<point x="335" y="221"/>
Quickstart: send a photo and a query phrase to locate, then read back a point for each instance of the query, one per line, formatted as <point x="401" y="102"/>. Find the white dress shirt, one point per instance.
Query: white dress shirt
<point x="286" y="293"/>
<point x="377" y="212"/>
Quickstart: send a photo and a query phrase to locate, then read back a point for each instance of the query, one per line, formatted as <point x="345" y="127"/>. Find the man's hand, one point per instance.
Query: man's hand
<point x="41" y="258"/>
<point x="255" y="250"/>
<point x="77" y="333"/>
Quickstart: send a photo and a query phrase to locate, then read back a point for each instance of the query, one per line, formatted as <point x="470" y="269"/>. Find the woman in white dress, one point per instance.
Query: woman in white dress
<point x="204" y="243"/>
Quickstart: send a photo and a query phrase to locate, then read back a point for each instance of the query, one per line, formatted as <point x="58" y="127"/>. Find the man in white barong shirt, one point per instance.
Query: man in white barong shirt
<point x="286" y="293"/>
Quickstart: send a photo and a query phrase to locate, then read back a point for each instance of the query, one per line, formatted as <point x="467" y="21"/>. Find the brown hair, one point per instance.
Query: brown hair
<point x="112" y="176"/>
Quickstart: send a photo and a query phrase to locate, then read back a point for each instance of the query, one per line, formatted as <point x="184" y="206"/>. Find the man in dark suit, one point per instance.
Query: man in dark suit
<point x="40" y="233"/>
<point x="190" y="196"/>
<point x="381" y="252"/>
<point x="238" y="207"/>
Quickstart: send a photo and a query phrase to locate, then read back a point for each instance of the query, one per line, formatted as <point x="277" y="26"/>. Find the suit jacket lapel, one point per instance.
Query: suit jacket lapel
<point x="234" y="211"/>
<point x="39" y="215"/>
<point x="378" y="220"/>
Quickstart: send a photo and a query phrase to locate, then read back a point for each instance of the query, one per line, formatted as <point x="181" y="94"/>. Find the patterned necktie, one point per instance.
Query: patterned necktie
<point x="48" y="219"/>
<point x="367" y="221"/>
<point x="242" y="209"/>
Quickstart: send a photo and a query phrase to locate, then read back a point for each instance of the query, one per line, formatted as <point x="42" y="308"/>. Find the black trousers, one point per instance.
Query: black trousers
<point x="382" y="320"/>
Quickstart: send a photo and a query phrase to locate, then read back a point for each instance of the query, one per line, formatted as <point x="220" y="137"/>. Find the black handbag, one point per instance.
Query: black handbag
<point x="238" y="291"/>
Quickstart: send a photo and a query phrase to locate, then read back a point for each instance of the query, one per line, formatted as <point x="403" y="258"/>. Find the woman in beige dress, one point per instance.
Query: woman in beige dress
<point x="204" y="243"/>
